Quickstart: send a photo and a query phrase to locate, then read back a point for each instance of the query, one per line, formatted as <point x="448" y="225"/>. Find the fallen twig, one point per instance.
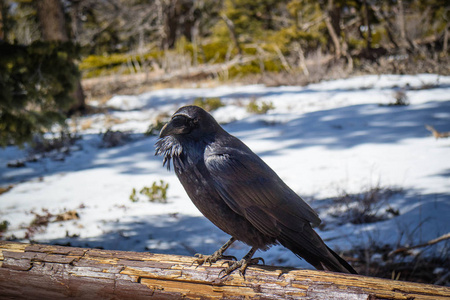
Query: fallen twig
<point x="429" y="243"/>
<point x="436" y="133"/>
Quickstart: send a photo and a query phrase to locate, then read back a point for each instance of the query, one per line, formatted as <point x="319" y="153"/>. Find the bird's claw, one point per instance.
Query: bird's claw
<point x="201" y="259"/>
<point x="256" y="260"/>
<point x="229" y="257"/>
<point x="241" y="265"/>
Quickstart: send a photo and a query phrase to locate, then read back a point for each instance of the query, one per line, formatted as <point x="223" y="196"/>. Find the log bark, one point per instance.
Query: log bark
<point x="56" y="272"/>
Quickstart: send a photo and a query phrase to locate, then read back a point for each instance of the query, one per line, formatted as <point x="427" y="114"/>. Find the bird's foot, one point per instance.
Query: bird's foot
<point x="241" y="265"/>
<point x="201" y="259"/>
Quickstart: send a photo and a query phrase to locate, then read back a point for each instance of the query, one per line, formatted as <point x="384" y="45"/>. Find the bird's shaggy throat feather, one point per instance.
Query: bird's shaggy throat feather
<point x="170" y="148"/>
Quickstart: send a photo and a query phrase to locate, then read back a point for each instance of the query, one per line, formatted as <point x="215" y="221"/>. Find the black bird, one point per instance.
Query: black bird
<point x="237" y="191"/>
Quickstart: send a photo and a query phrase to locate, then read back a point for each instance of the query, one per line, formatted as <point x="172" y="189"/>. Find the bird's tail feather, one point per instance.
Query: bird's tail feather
<point x="342" y="262"/>
<point x="317" y="253"/>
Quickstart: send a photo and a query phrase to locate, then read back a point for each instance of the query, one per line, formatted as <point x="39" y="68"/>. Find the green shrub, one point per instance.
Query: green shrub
<point x="154" y="128"/>
<point x="155" y="193"/>
<point x="254" y="67"/>
<point x="4" y="226"/>
<point x="214" y="52"/>
<point x="133" y="196"/>
<point x="262" y="108"/>
<point x="158" y="123"/>
<point x="209" y="104"/>
<point x="97" y="65"/>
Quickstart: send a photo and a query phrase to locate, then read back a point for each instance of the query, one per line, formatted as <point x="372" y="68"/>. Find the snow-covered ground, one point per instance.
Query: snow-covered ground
<point x="323" y="139"/>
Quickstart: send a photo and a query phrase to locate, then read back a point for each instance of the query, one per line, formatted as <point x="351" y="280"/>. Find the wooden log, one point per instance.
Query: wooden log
<point x="56" y="272"/>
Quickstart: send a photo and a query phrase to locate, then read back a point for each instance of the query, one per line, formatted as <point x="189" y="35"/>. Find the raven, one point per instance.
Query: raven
<point x="238" y="192"/>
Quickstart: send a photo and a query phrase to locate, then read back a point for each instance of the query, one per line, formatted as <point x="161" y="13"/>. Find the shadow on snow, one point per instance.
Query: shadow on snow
<point x="336" y="128"/>
<point x="351" y="126"/>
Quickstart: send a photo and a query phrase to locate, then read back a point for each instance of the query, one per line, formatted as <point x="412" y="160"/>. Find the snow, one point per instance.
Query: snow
<point x="324" y="140"/>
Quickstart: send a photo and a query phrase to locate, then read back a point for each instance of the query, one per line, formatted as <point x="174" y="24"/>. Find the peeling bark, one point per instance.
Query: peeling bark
<point x="56" y="272"/>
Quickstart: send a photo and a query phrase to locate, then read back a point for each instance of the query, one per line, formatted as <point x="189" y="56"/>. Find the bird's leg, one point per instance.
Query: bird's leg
<point x="242" y="264"/>
<point x="216" y="255"/>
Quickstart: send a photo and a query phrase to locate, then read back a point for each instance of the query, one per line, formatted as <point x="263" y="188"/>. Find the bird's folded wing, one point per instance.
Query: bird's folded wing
<point x="253" y="190"/>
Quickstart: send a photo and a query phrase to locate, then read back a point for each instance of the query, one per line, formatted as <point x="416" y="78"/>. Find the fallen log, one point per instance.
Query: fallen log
<point x="118" y="83"/>
<point x="34" y="271"/>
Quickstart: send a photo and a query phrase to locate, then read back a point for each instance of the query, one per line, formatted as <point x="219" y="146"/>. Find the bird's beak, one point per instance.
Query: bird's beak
<point x="166" y="130"/>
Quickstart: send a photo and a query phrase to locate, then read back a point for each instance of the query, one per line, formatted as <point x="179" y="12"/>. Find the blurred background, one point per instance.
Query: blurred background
<point x="349" y="102"/>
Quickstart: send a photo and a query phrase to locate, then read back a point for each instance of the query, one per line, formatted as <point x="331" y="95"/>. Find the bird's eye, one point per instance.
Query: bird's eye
<point x="179" y="121"/>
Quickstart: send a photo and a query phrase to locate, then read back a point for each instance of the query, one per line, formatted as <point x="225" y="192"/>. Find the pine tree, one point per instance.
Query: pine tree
<point x="35" y="86"/>
<point x="37" y="80"/>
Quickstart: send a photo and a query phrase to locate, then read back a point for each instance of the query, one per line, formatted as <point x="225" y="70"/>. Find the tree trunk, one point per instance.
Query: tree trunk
<point x="301" y="59"/>
<point x="76" y="23"/>
<point x="388" y="25"/>
<point x="170" y="11"/>
<point x="332" y="20"/>
<point x="445" y="46"/>
<point x="402" y="27"/>
<point x="53" y="28"/>
<point x="232" y="31"/>
<point x="3" y="20"/>
<point x="51" y="20"/>
<point x="368" y="27"/>
<point x="56" y="272"/>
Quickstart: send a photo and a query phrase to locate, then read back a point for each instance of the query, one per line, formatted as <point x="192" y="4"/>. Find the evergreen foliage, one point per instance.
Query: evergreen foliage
<point x="35" y="88"/>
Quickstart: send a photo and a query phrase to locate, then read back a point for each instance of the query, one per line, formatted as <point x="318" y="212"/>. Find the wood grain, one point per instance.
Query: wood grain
<point x="56" y="272"/>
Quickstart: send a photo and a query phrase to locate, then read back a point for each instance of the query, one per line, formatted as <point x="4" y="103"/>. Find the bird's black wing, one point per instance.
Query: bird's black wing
<point x="253" y="190"/>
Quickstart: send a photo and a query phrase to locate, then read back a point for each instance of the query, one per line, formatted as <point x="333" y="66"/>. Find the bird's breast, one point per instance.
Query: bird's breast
<point x="201" y="189"/>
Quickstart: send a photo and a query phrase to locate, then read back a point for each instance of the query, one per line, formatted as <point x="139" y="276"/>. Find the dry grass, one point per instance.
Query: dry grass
<point x="369" y="206"/>
<point x="110" y="120"/>
<point x="86" y="124"/>
<point x="5" y="189"/>
<point x="374" y="260"/>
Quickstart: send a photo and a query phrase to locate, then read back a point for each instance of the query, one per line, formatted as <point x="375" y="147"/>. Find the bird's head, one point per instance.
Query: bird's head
<point x="190" y="122"/>
<point x="188" y="125"/>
